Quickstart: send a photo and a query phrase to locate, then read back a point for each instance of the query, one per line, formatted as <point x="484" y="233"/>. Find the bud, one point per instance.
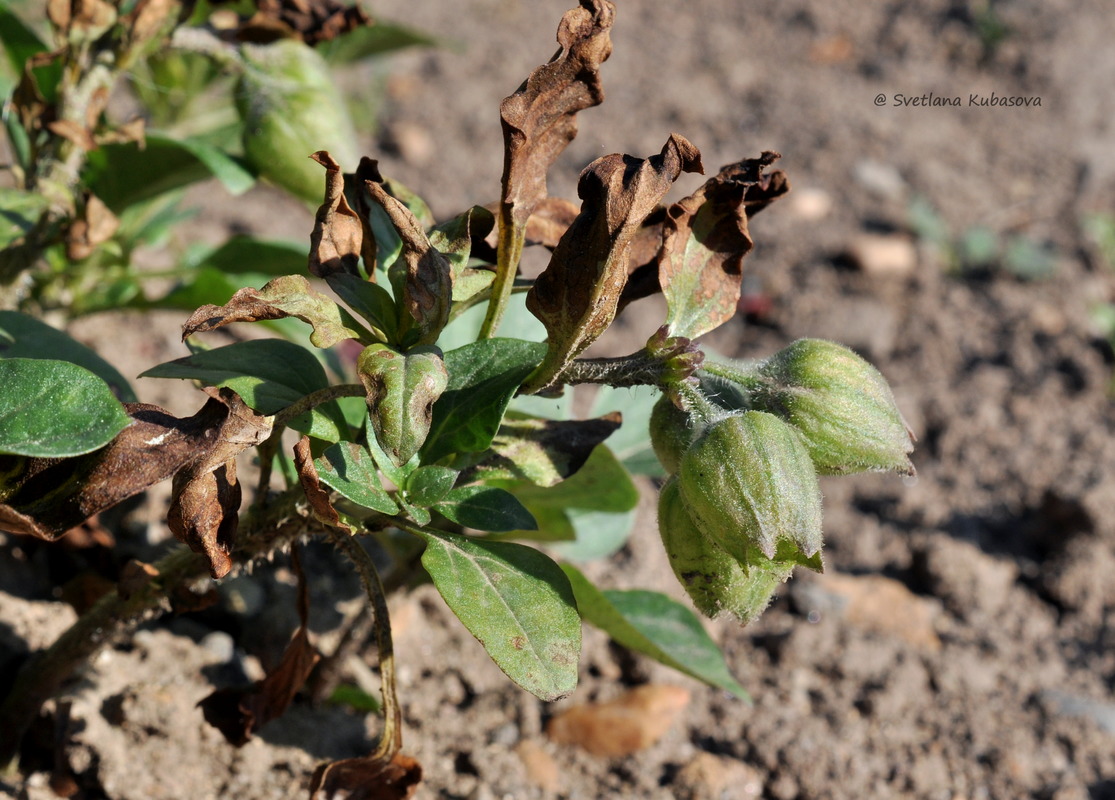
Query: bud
<point x="716" y="582"/>
<point x="840" y="404"/>
<point x="671" y="431"/>
<point x="291" y="108"/>
<point x="402" y="389"/>
<point x="748" y="482"/>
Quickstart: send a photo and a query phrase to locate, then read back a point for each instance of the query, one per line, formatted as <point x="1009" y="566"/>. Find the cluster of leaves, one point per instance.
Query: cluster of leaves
<point x="229" y="93"/>
<point x="439" y="435"/>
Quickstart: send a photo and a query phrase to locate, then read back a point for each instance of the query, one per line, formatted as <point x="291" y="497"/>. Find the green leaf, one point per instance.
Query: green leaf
<point x="123" y="174"/>
<point x="516" y="602"/>
<point x="543" y="451"/>
<point x="596" y="534"/>
<point x="369" y="300"/>
<point x="55" y="409"/>
<point x="429" y="485"/>
<point x="30" y="338"/>
<point x="249" y="254"/>
<point x="372" y="40"/>
<point x="483" y="377"/>
<point x="20" y="41"/>
<point x="401" y="389"/>
<point x="656" y="626"/>
<point x="348" y="469"/>
<point x="485" y="508"/>
<point x="19" y="213"/>
<point x="269" y="374"/>
<point x="355" y="698"/>
<point x="209" y="286"/>
<point x="602" y="484"/>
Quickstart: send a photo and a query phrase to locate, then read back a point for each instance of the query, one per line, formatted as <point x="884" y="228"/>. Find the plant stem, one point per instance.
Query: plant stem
<point x="391" y="741"/>
<point x="512" y="237"/>
<point x="261" y="533"/>
<point x="637" y="369"/>
<point x="315" y="399"/>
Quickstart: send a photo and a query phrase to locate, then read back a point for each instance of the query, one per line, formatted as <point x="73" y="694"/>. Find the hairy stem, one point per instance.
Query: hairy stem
<point x="392" y="739"/>
<point x="315" y="399"/>
<point x="637" y="369"/>
<point x="261" y="533"/>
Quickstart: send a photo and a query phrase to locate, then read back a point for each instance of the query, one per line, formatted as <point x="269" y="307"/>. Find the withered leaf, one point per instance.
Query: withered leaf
<point x="149" y="18"/>
<point x="312" y="21"/>
<point x="367" y="779"/>
<point x="704" y="243"/>
<point x="337" y="236"/>
<point x="45" y="497"/>
<point x="286" y="296"/>
<point x="205" y="502"/>
<point x="94" y="227"/>
<point x="75" y="132"/>
<point x="577" y="295"/>
<point x="428" y="288"/>
<point x="316" y="493"/>
<point x="238" y="712"/>
<point x="540" y="119"/>
<point x="543" y="451"/>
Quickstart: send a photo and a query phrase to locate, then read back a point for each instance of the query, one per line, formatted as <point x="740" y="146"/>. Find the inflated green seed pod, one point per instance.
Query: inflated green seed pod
<point x="401" y="391"/>
<point x="291" y="108"/>
<point x="748" y="482"/>
<point x="842" y="406"/>
<point x="671" y="431"/>
<point x="718" y="584"/>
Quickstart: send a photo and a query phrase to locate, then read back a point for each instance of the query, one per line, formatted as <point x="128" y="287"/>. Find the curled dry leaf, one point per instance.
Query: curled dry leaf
<point x="149" y="18"/>
<point x="367" y="779"/>
<point x="577" y="295"/>
<point x="205" y="503"/>
<point x="704" y="242"/>
<point x="45" y="497"/>
<point x="238" y="712"/>
<point x="95" y="226"/>
<point x="312" y="21"/>
<point x="428" y="289"/>
<point x="316" y="493"/>
<point x="540" y="119"/>
<point x="337" y="236"/>
<point x="287" y="296"/>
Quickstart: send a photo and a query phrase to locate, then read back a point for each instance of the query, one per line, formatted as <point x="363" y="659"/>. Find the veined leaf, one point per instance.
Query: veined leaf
<point x="55" y="409"/>
<point x="348" y="469"/>
<point x="485" y="508"/>
<point x="30" y="338"/>
<point x="269" y="374"/>
<point x="656" y="626"/>
<point x="483" y="377"/>
<point x="516" y="602"/>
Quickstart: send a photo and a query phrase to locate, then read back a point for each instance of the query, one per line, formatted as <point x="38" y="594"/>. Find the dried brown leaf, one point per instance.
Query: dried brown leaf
<point x="73" y="131"/>
<point x="316" y="493"/>
<point x="577" y="295"/>
<point x="238" y="712"/>
<point x="205" y="502"/>
<point x="428" y="289"/>
<point x="367" y="779"/>
<point x="540" y="119"/>
<point x="94" y="227"/>
<point x="336" y="240"/>
<point x="286" y="296"/>
<point x="45" y="497"/>
<point x="149" y="18"/>
<point x="704" y="243"/>
<point x="312" y="21"/>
